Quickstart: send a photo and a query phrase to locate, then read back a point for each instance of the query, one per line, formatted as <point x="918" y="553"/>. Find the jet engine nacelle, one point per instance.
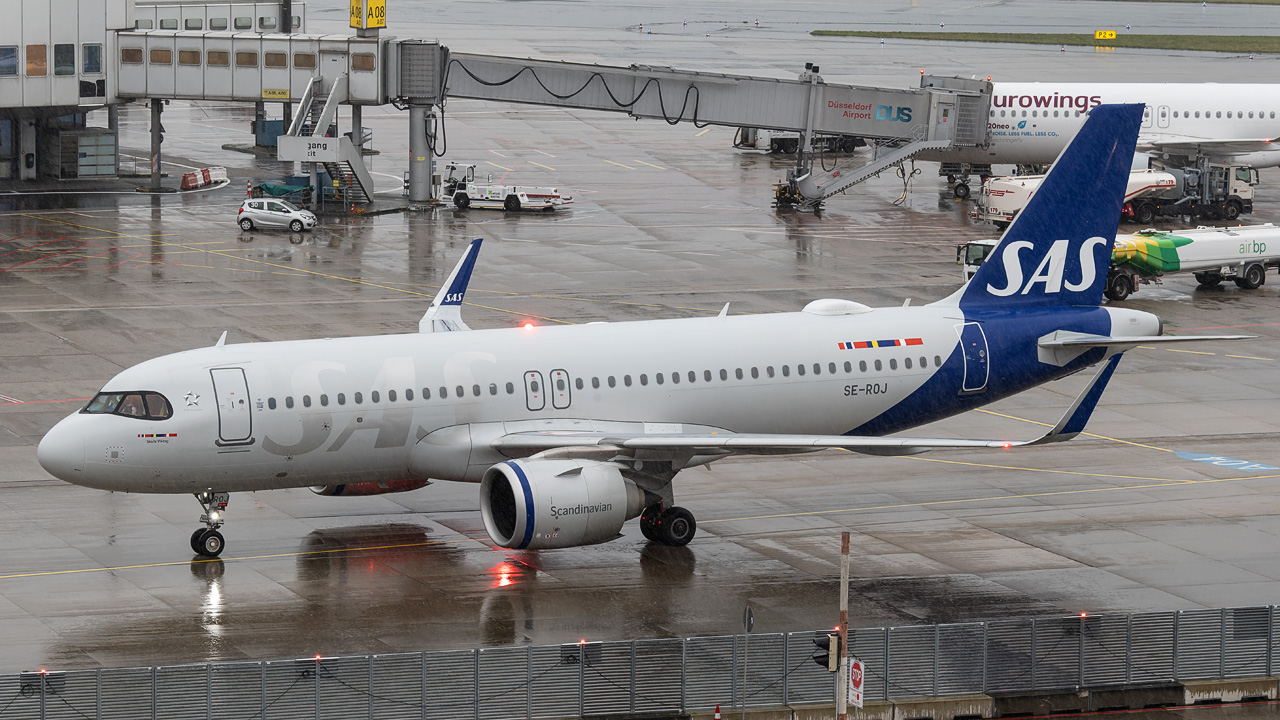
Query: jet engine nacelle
<point x="542" y="504"/>
<point x="369" y="488"/>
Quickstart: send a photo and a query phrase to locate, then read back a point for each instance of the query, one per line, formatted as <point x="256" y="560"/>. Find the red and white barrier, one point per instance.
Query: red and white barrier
<point x="205" y="177"/>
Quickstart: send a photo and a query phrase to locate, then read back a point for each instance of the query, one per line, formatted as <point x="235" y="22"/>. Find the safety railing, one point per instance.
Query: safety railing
<point x="649" y="676"/>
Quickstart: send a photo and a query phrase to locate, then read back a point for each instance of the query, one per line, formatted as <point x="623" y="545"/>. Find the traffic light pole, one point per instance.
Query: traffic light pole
<point x="842" y="677"/>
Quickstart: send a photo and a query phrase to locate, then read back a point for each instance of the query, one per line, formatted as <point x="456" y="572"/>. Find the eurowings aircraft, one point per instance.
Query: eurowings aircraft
<point x="571" y="431"/>
<point x="1030" y="123"/>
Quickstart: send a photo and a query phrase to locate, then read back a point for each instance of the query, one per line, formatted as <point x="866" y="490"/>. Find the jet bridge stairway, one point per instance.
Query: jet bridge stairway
<point x="316" y="113"/>
<point x="808" y="192"/>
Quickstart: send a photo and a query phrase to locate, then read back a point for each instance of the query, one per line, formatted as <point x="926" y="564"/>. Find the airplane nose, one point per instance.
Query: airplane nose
<point x="61" y="452"/>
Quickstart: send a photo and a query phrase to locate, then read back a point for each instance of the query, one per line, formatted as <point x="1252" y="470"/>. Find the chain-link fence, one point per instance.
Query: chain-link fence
<point x="648" y="676"/>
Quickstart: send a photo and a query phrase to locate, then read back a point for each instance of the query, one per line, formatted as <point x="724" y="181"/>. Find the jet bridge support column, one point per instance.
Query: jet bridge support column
<point x="421" y="161"/>
<point x="157" y="137"/>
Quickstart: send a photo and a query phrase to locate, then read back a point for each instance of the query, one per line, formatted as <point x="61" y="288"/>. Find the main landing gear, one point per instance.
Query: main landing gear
<point x="207" y="541"/>
<point x="670" y="526"/>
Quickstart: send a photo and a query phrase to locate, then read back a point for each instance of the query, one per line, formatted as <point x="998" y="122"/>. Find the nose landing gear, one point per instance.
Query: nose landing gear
<point x="207" y="541"/>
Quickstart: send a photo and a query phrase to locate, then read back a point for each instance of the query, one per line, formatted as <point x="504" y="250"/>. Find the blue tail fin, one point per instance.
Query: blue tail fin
<point x="1058" y="249"/>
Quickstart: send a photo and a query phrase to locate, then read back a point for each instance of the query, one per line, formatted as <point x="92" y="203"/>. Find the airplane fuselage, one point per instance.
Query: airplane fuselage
<point x="1030" y="123"/>
<point x="399" y="407"/>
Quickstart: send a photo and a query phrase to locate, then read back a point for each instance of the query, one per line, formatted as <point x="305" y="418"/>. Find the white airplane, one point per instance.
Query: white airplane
<point x="572" y="431"/>
<point x="1232" y="124"/>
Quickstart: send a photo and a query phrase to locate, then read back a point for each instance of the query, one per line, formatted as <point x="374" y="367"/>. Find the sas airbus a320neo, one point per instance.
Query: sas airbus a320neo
<point x="572" y="431"/>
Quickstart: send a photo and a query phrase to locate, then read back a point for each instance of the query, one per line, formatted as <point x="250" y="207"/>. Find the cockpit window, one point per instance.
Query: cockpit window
<point x="144" y="405"/>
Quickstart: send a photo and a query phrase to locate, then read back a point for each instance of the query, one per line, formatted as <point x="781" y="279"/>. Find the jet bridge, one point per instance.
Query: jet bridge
<point x="943" y="112"/>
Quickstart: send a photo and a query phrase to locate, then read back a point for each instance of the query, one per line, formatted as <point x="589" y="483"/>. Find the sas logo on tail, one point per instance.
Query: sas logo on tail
<point x="1050" y="271"/>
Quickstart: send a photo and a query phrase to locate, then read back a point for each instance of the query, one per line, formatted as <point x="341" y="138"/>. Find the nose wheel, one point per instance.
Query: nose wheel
<point x="207" y="541"/>
<point x="673" y="526"/>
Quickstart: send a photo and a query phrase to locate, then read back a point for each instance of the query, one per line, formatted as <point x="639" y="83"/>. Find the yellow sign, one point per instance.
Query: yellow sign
<point x="367" y="14"/>
<point x="1104" y="34"/>
<point x="1103" y="49"/>
<point x="275" y="94"/>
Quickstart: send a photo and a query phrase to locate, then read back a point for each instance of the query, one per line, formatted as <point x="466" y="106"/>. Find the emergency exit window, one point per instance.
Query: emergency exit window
<point x="37" y="60"/>
<point x="92" y="58"/>
<point x="8" y="60"/>
<point x="64" y="59"/>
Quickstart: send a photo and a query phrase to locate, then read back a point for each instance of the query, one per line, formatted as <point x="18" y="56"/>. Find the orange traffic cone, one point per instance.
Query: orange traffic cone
<point x="717" y="712"/>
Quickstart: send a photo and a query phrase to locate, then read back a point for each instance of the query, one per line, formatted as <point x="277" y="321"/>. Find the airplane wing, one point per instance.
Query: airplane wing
<point x="445" y="313"/>
<point x="717" y="443"/>
<point x="1216" y="147"/>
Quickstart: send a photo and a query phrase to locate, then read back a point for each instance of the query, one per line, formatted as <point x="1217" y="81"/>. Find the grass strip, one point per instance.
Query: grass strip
<point x="1204" y="43"/>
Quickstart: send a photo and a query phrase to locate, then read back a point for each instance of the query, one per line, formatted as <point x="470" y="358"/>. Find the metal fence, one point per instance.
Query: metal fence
<point x="647" y="676"/>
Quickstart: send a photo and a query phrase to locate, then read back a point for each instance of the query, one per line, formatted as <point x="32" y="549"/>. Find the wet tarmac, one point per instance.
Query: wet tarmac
<point x="667" y="222"/>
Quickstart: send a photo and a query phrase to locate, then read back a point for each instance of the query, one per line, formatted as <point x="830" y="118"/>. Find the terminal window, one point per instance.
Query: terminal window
<point x="169" y="23"/>
<point x="161" y="56"/>
<point x="143" y="24"/>
<point x="193" y="24"/>
<point x="92" y="58"/>
<point x="37" y="60"/>
<point x="188" y="57"/>
<point x="275" y="60"/>
<point x="305" y="61"/>
<point x="296" y="22"/>
<point x="8" y="60"/>
<point x="64" y="59"/>
<point x="362" y="61"/>
<point x="131" y="56"/>
<point x="247" y="59"/>
<point x="217" y="23"/>
<point x="267" y="23"/>
<point x="220" y="58"/>
<point x="244" y="23"/>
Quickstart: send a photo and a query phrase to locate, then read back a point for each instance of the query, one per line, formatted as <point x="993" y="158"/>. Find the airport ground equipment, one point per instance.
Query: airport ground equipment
<point x="1203" y="191"/>
<point x="1002" y="198"/>
<point x="460" y="188"/>
<point x="999" y="668"/>
<point x="1241" y="254"/>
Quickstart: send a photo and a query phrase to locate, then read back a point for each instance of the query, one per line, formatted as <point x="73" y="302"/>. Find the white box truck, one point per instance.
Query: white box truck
<point x="1212" y="254"/>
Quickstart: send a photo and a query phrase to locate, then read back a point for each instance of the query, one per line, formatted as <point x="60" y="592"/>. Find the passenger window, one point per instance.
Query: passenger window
<point x="461" y="392"/>
<point x="275" y="207"/>
<point x="217" y="23"/>
<point x="724" y="374"/>
<point x="1228" y="114"/>
<point x="893" y="363"/>
<point x="510" y="388"/>
<point x="611" y="382"/>
<point x="359" y="398"/>
<point x="862" y="366"/>
<point x="626" y="380"/>
<point x="675" y="378"/>
<point x="534" y="386"/>
<point x="924" y="363"/>
<point x="817" y="368"/>
<point x="657" y="377"/>
<point x="324" y="400"/>
<point x="288" y="402"/>
<point x="831" y="368"/>
<point x="391" y="396"/>
<point x="408" y="395"/>
<point x="755" y="373"/>
<point x="475" y="390"/>
<point x="342" y="399"/>
<point x="374" y="396"/>
<point x="271" y="402"/>
<point x="879" y="366"/>
<point x="577" y="382"/>
<point x="800" y="369"/>
<point x="444" y="393"/>
<point x="737" y="373"/>
<point x="706" y="375"/>
<point x="426" y="394"/>
<point x="848" y="366"/>
<point x="493" y="387"/>
<point x="595" y="383"/>
<point x="937" y="361"/>
<point x="306" y="401"/>
<point x="559" y="384"/>
<point x="786" y="371"/>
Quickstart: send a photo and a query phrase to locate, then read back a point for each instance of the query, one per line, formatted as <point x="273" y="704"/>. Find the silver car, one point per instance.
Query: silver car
<point x="266" y="212"/>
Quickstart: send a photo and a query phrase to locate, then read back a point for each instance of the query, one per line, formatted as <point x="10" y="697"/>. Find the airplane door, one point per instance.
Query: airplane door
<point x="973" y="343"/>
<point x="560" y="393"/>
<point x="535" y="397"/>
<point x="1146" y="116"/>
<point x="235" y="424"/>
<point x="1162" y="116"/>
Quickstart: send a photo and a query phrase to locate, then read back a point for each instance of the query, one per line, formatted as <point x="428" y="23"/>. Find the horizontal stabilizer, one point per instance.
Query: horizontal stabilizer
<point x="445" y="313"/>
<point x="1066" y="339"/>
